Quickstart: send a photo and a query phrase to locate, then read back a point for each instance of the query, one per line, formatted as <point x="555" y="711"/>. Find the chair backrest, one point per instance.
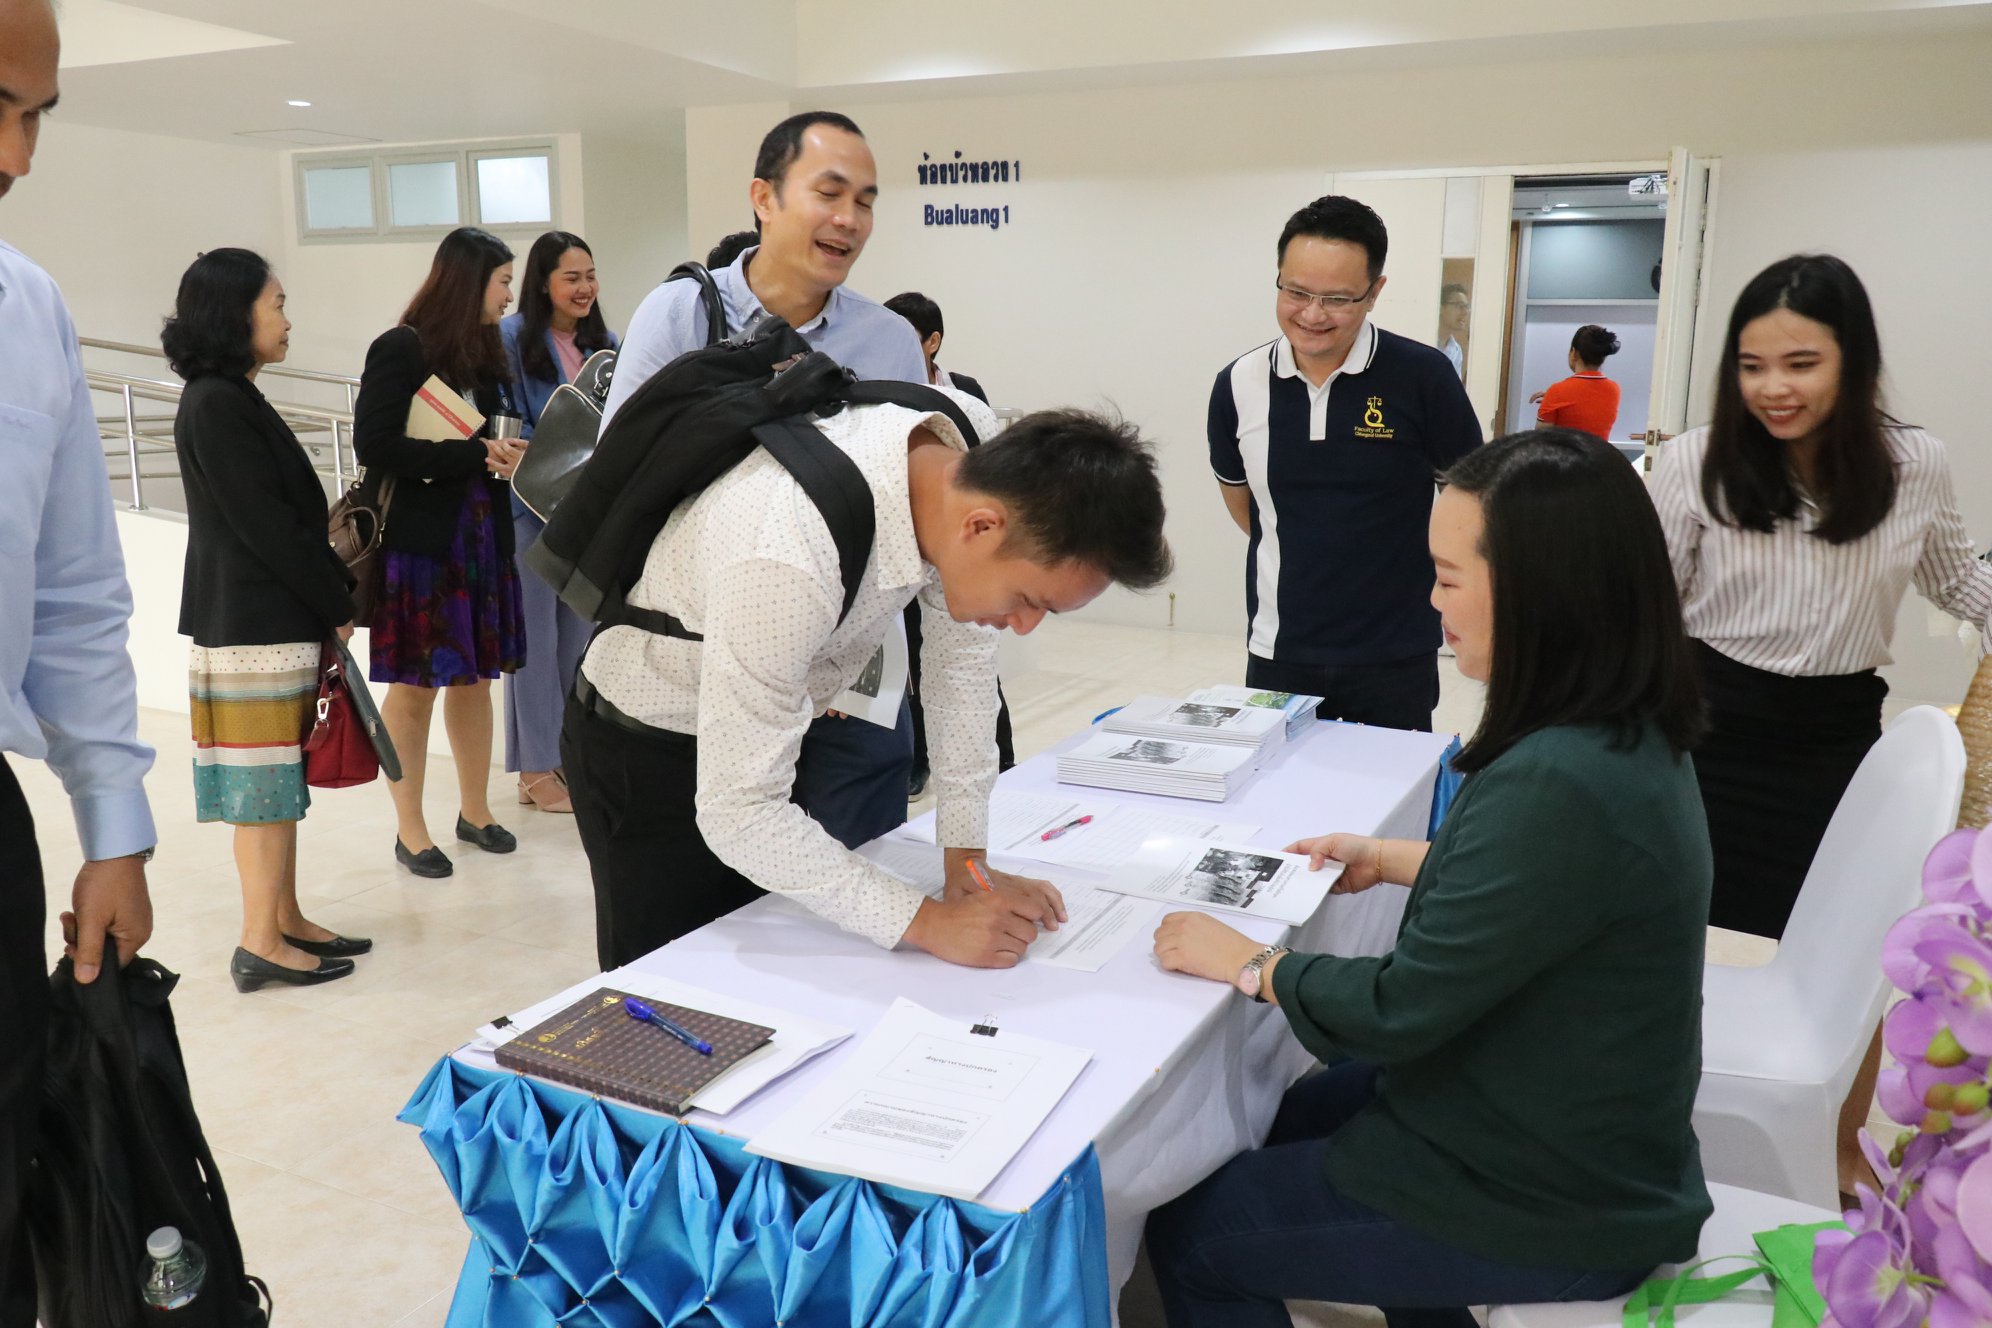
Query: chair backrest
<point x="1868" y="872"/>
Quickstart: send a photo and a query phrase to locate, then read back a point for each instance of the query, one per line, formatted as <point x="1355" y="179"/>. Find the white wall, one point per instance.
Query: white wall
<point x="344" y="294"/>
<point x="116" y="217"/>
<point x="1140" y="255"/>
<point x="635" y="202"/>
<point x="1911" y="219"/>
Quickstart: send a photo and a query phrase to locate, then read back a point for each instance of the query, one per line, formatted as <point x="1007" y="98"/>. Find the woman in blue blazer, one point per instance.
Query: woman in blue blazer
<point x="558" y="326"/>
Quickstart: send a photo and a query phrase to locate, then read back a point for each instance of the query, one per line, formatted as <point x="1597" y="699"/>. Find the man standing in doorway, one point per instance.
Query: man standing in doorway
<point x="67" y="691"/>
<point x="813" y="190"/>
<point x="1325" y="443"/>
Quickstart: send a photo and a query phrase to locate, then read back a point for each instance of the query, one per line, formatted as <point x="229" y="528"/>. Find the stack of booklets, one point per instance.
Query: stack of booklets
<point x="1215" y="723"/>
<point x="1298" y="709"/>
<point x="1211" y="772"/>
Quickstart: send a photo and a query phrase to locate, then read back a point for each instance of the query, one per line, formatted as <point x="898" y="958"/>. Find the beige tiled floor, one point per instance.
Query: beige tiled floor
<point x="339" y="1207"/>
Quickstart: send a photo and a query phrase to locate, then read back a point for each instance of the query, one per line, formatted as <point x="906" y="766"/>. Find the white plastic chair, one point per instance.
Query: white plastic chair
<point x="1739" y="1215"/>
<point x="1781" y="1044"/>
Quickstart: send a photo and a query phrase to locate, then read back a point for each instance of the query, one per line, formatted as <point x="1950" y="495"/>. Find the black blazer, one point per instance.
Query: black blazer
<point x="430" y="478"/>
<point x="259" y="570"/>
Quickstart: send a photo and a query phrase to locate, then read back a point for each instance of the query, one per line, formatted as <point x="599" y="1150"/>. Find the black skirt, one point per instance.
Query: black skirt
<point x="1779" y="753"/>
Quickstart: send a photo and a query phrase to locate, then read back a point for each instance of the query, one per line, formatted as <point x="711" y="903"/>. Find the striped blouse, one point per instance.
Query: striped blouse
<point x="1787" y="603"/>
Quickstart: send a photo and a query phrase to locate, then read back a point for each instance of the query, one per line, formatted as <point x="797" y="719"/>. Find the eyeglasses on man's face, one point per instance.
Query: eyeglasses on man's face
<point x="1300" y="299"/>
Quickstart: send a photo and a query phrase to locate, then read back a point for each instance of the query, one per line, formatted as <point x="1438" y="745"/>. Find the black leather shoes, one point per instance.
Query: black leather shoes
<point x="252" y="971"/>
<point x="430" y="862"/>
<point x="493" y="838"/>
<point x="339" y="947"/>
<point x="917" y="783"/>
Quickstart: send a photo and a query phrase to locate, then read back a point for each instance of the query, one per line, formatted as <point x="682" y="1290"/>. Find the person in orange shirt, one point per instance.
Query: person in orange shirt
<point x="1587" y="399"/>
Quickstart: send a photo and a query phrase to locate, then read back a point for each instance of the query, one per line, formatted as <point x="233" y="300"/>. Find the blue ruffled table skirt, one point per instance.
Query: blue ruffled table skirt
<point x="590" y="1213"/>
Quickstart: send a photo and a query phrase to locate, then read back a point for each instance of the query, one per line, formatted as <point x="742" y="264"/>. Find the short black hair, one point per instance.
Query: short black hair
<point x="1335" y="217"/>
<point x="1083" y="488"/>
<point x="1452" y="288"/>
<point x="1587" y="619"/>
<point x="1745" y="480"/>
<point x="729" y="249"/>
<point x="1594" y="344"/>
<point x="208" y="332"/>
<point x="783" y="144"/>
<point x="921" y="312"/>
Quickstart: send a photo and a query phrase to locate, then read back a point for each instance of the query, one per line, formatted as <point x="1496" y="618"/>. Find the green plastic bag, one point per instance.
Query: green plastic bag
<point x="1784" y="1260"/>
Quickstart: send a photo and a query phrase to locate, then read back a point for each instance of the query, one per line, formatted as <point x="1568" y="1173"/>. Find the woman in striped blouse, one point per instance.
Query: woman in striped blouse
<point x="1795" y="521"/>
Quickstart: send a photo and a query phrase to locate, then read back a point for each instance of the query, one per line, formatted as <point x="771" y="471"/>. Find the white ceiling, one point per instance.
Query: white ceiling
<point x="400" y="70"/>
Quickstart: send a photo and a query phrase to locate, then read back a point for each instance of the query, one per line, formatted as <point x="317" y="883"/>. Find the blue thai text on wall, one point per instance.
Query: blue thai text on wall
<point x="957" y="170"/>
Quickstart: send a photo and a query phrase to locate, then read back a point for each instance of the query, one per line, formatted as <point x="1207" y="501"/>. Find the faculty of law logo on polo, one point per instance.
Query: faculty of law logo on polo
<point x="1372" y="425"/>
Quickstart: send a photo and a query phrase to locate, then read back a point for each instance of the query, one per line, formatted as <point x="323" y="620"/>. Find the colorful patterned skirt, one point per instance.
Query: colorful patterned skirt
<point x="446" y="622"/>
<point x="252" y="707"/>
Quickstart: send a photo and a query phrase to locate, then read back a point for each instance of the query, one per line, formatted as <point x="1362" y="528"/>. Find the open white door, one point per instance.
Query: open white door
<point x="1684" y="259"/>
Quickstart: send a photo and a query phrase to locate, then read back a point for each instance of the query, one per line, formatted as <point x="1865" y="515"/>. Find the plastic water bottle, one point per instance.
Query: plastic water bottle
<point x="174" y="1271"/>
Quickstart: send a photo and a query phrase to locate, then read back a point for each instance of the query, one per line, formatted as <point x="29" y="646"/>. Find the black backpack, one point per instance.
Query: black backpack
<point x="694" y="420"/>
<point x="121" y="1154"/>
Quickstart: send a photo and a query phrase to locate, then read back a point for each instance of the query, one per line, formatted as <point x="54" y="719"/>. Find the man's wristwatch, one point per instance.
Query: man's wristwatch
<point x="1249" y="979"/>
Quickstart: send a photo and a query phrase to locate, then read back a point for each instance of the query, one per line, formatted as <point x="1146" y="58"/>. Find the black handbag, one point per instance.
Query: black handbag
<point x="121" y="1153"/>
<point x="564" y="438"/>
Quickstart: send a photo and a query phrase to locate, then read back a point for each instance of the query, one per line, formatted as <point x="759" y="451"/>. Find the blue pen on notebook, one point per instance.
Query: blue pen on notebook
<point x="638" y="1010"/>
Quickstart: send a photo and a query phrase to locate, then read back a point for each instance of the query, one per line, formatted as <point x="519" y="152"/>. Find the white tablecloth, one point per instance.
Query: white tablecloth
<point x="1186" y="1073"/>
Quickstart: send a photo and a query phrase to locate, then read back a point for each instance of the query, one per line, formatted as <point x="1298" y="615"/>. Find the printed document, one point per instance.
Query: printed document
<point x="1232" y="878"/>
<point x="1093" y="833"/>
<point x="1098" y="923"/>
<point x="926" y="1103"/>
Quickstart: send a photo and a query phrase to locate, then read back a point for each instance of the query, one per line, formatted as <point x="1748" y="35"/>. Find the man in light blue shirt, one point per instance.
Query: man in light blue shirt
<point x="67" y="691"/>
<point x="814" y="186"/>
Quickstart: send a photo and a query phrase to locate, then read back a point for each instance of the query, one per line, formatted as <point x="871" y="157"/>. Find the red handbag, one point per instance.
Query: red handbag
<point x="337" y="752"/>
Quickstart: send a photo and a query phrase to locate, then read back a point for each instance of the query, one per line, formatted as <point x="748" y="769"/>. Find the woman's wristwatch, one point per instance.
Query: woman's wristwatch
<point x="1250" y="978"/>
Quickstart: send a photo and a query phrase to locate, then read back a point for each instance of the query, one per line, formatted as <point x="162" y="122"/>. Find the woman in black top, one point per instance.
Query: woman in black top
<point x="262" y="592"/>
<point x="448" y="615"/>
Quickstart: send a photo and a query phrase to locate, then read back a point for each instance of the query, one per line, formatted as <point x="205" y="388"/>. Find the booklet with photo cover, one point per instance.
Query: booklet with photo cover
<point x="594" y="1045"/>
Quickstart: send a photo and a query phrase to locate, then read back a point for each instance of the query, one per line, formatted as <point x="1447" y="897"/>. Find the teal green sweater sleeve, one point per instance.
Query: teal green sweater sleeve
<point x="1483" y="921"/>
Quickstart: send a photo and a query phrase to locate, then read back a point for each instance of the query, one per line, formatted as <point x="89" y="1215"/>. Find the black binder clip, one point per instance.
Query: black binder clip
<point x="987" y="1028"/>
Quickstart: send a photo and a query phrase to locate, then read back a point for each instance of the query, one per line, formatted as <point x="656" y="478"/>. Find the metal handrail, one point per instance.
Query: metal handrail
<point x="130" y="388"/>
<point x="351" y="384"/>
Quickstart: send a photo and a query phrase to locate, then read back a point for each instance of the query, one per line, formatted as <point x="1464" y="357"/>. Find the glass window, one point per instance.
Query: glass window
<point x="514" y="190"/>
<point x="338" y="198"/>
<point x="422" y="193"/>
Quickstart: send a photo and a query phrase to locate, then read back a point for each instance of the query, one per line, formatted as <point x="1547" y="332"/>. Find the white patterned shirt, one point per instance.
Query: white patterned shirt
<point x="1786" y="602"/>
<point x="749" y="565"/>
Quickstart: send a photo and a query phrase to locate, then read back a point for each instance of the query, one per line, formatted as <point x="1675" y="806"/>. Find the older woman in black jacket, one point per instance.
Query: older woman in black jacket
<point x="449" y="617"/>
<point x="262" y="593"/>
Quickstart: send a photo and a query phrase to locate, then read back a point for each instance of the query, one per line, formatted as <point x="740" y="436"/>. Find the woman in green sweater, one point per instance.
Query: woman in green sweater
<point x="1506" y="1114"/>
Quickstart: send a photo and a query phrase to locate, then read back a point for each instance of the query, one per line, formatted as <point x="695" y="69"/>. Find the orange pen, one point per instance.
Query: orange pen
<point x="975" y="870"/>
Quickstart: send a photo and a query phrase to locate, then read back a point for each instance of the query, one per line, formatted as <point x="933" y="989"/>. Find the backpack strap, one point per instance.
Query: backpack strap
<point x="913" y="396"/>
<point x="837" y="487"/>
<point x="715" y="306"/>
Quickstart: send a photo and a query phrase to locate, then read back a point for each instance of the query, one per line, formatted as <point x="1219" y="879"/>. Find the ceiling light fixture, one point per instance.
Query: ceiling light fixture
<point x="297" y="103"/>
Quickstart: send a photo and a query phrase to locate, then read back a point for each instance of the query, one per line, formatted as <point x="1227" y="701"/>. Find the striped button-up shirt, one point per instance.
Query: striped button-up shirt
<point x="1787" y="602"/>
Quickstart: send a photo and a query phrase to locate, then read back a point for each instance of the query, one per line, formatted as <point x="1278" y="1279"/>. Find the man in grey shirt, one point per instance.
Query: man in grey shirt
<point x="813" y="190"/>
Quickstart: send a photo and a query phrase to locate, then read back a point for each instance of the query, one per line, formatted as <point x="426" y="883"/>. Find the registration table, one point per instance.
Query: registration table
<point x="583" y="1211"/>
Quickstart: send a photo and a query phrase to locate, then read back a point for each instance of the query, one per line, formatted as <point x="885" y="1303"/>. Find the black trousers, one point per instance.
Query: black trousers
<point x="655" y="879"/>
<point x="24" y="1009"/>
<point x="1779" y="753"/>
<point x="1006" y="746"/>
<point x="1399" y="694"/>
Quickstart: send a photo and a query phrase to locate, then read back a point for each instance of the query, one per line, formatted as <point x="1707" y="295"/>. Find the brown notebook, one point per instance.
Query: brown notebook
<point x="594" y="1045"/>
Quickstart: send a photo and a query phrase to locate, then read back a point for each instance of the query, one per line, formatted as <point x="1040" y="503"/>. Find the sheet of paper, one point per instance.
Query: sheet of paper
<point x="876" y="694"/>
<point x="1098" y="925"/>
<point x="926" y="1103"/>
<point x="797" y="1038"/>
<point x="1118" y="831"/>
<point x="1012" y="817"/>
<point x="1231" y="878"/>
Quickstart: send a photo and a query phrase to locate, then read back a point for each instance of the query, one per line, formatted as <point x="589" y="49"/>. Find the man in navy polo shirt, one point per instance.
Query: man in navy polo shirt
<point x="1326" y="443"/>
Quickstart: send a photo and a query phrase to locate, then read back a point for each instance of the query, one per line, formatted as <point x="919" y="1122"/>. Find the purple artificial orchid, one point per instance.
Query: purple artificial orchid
<point x="1919" y="1251"/>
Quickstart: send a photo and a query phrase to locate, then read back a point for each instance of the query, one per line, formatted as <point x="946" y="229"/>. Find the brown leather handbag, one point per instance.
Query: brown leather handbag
<point x="355" y="526"/>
